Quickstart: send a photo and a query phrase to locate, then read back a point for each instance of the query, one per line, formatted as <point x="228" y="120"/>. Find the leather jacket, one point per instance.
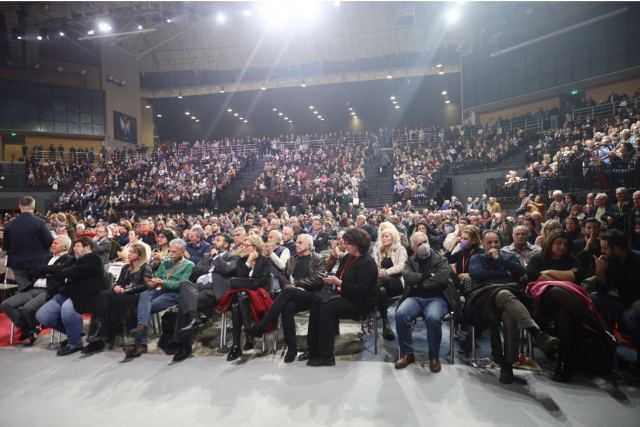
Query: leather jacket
<point x="313" y="282"/>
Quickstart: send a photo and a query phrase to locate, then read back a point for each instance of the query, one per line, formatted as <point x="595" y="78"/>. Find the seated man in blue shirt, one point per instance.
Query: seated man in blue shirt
<point x="497" y="298"/>
<point x="197" y="246"/>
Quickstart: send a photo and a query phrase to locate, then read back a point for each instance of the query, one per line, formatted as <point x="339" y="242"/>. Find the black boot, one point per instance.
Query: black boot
<point x="292" y="352"/>
<point x="563" y="372"/>
<point x="98" y="334"/>
<point x="236" y="323"/>
<point x="506" y="373"/>
<point x="387" y="332"/>
<point x="256" y="330"/>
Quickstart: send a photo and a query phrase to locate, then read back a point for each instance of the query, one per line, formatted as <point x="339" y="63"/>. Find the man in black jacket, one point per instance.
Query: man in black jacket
<point x="208" y="282"/>
<point x="82" y="282"/>
<point x="26" y="240"/>
<point x="617" y="214"/>
<point x="21" y="308"/>
<point x="426" y="276"/>
<point x="618" y="268"/>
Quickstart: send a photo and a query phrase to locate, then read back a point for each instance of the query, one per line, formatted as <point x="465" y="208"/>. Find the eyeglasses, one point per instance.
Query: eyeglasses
<point x="248" y="245"/>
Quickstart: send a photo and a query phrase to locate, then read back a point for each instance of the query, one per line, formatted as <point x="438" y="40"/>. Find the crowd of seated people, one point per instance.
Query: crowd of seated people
<point x="332" y="175"/>
<point x="587" y="153"/>
<point x="427" y="257"/>
<point x="168" y="178"/>
<point x="418" y="165"/>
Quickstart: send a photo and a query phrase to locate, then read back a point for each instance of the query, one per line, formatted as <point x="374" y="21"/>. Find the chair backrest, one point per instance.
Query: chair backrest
<point x="109" y="280"/>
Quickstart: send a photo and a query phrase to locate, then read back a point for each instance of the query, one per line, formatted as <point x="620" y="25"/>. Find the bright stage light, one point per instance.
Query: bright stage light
<point x="280" y="114"/>
<point x="235" y="114"/>
<point x="159" y="116"/>
<point x="90" y="32"/>
<point x="447" y="102"/>
<point x="104" y="27"/>
<point x="397" y="107"/>
<point x="221" y="18"/>
<point x="315" y="112"/>
<point x="263" y="88"/>
<point x="440" y="73"/>
<point x="274" y="109"/>
<point x="310" y="107"/>
<point x="229" y="110"/>
<point x="389" y="76"/>
<point x="246" y="121"/>
<point x="280" y="11"/>
<point x="393" y="98"/>
<point x="444" y="92"/>
<point x="186" y="113"/>
<point x="38" y="37"/>
<point x="247" y="12"/>
<point x="453" y="15"/>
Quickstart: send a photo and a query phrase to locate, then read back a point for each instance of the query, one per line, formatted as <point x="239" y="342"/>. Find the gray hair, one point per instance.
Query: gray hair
<point x="66" y="240"/>
<point x="309" y="240"/>
<point x="521" y="228"/>
<point x="419" y="235"/>
<point x="198" y="229"/>
<point x="277" y="233"/>
<point x="181" y="244"/>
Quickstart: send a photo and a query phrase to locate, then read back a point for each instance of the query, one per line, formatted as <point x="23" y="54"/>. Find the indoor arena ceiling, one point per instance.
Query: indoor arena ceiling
<point x="167" y="37"/>
<point x="238" y="35"/>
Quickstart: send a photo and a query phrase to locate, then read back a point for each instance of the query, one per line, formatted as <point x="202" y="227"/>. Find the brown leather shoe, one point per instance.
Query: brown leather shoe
<point x="434" y="365"/>
<point x="405" y="361"/>
<point x="136" y="350"/>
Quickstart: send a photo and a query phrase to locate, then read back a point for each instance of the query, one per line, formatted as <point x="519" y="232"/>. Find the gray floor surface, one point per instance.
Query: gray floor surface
<point x="41" y="389"/>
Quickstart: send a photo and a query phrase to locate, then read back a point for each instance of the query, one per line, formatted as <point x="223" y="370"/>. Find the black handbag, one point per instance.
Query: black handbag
<point x="327" y="294"/>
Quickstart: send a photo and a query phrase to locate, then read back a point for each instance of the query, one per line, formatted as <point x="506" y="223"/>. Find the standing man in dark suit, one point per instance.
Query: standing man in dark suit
<point x="208" y="282"/>
<point x="83" y="282"/>
<point x="26" y="240"/>
<point x="22" y="307"/>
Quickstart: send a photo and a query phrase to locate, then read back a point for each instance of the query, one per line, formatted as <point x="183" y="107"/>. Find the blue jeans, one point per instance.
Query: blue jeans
<point x="60" y="314"/>
<point x="432" y="309"/>
<point x="153" y="301"/>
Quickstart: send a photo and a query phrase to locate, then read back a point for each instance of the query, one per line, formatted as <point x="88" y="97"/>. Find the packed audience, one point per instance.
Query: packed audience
<point x="546" y="272"/>
<point x="329" y="175"/>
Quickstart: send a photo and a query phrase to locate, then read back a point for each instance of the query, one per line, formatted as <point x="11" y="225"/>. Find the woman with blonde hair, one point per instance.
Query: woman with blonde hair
<point x="254" y="268"/>
<point x="547" y="228"/>
<point x="390" y="257"/>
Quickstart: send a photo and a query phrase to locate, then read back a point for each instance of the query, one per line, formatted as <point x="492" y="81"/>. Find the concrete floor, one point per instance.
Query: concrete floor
<point x="40" y="389"/>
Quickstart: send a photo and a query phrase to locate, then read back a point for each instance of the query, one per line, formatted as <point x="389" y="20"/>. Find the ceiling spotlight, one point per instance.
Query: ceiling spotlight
<point x="140" y="27"/>
<point x="350" y="108"/>
<point x="274" y="109"/>
<point x="353" y="113"/>
<point x="247" y="12"/>
<point x="222" y="90"/>
<point x="147" y="106"/>
<point x="336" y="3"/>
<point x="440" y="73"/>
<point x="263" y="88"/>
<point x="235" y="114"/>
<point x="290" y="121"/>
<point x="168" y="20"/>
<point x="141" y="21"/>
<point x="19" y="37"/>
<point x="322" y="120"/>
<point x="355" y="117"/>
<point x="186" y="113"/>
<point x="61" y="33"/>
<point x="444" y="92"/>
<point x="438" y="65"/>
<point x="179" y="96"/>
<point x="315" y="112"/>
<point x="193" y="117"/>
<point x="389" y="76"/>
<point x="241" y="118"/>
<point x="229" y="110"/>
<point x="104" y="27"/>
<point x="38" y="37"/>
<point x="310" y="107"/>
<point x="221" y="18"/>
<point x="447" y="102"/>
<point x="397" y="107"/>
<point x="246" y="121"/>
<point x="394" y="102"/>
<point x="453" y="16"/>
<point x="280" y="113"/>
<point x="319" y="117"/>
<point x="303" y="85"/>
<point x="159" y="116"/>
<point x="90" y="32"/>
<point x="392" y="98"/>
<point x="286" y="118"/>
<point x="197" y="120"/>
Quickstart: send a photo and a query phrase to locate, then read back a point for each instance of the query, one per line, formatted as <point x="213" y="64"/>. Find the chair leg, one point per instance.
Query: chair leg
<point x="223" y="332"/>
<point x="11" y="333"/>
<point x="451" y="339"/>
<point x="375" y="332"/>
